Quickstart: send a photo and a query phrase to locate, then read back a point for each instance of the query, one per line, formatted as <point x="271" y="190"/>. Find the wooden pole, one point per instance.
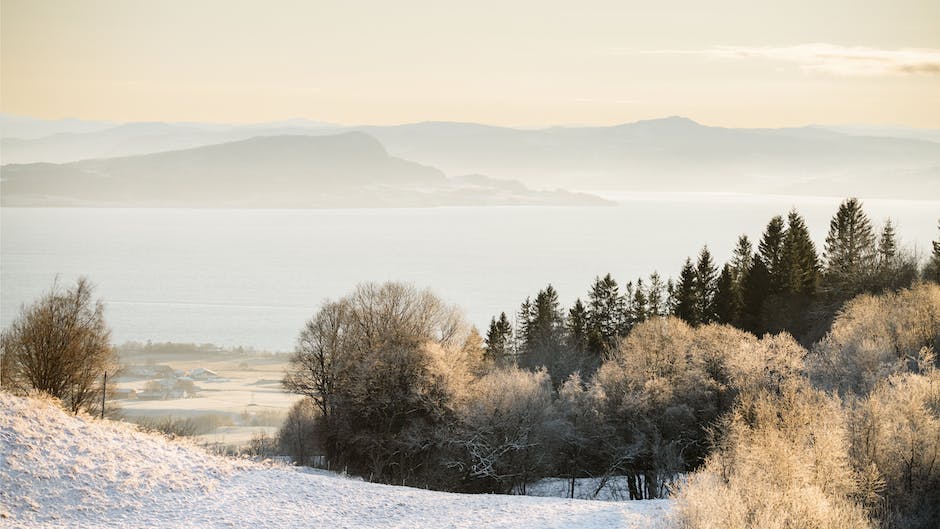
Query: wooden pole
<point x="104" y="392"/>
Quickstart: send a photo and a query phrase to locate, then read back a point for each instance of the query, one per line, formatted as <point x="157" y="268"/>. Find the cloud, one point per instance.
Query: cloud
<point x="833" y="59"/>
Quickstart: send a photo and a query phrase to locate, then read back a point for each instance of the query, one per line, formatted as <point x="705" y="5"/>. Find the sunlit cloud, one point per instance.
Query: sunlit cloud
<point x="830" y="58"/>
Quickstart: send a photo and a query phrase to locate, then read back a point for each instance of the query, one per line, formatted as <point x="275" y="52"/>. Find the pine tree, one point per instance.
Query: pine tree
<point x="850" y="250"/>
<point x="770" y="249"/>
<point x="657" y="296"/>
<point x="706" y="285"/>
<point x="799" y="264"/>
<point x="685" y="294"/>
<point x="724" y="297"/>
<point x="498" y="342"/>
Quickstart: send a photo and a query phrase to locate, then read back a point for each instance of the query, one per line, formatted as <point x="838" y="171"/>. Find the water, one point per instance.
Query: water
<point x="252" y="277"/>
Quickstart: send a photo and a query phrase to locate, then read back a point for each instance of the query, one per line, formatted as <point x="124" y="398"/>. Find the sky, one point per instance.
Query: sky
<point x="517" y="63"/>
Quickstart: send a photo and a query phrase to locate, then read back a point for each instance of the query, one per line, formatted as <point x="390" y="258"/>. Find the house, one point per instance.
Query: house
<point x="203" y="374"/>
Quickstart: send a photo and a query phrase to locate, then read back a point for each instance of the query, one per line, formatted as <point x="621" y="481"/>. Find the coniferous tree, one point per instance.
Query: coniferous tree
<point x="685" y="294"/>
<point x="523" y="326"/>
<point x="544" y="339"/>
<point x="799" y="264"/>
<point x="725" y="297"/>
<point x="577" y="326"/>
<point x="670" y="296"/>
<point x="850" y="251"/>
<point x="656" y="297"/>
<point x="756" y="290"/>
<point x="639" y="304"/>
<point x="932" y="270"/>
<point x="895" y="268"/>
<point x="706" y="286"/>
<point x="770" y="249"/>
<point x="606" y="315"/>
<point x="741" y="261"/>
<point x="498" y="342"/>
<point x="887" y="245"/>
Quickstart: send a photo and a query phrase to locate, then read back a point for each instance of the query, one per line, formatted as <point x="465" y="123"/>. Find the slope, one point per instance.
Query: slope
<point x="58" y="470"/>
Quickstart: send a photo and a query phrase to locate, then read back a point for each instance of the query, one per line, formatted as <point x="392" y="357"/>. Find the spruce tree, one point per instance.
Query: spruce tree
<point x="639" y="304"/>
<point x="799" y="264"/>
<point x="887" y="246"/>
<point x="656" y="298"/>
<point x="850" y="250"/>
<point x="606" y="315"/>
<point x="724" y="297"/>
<point x="544" y="338"/>
<point x="756" y="290"/>
<point x="577" y="326"/>
<point x="770" y="249"/>
<point x="498" y="342"/>
<point x="685" y="294"/>
<point x="932" y="270"/>
<point x="706" y="286"/>
<point x="741" y="262"/>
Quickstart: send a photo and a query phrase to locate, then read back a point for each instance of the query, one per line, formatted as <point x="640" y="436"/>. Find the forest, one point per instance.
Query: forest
<point x="787" y="386"/>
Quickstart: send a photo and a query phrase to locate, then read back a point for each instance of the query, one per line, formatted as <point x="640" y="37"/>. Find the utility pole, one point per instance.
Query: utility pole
<point x="104" y="393"/>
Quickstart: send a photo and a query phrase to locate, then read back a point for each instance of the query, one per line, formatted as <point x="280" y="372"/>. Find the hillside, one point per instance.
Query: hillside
<point x="350" y="169"/>
<point x="62" y="471"/>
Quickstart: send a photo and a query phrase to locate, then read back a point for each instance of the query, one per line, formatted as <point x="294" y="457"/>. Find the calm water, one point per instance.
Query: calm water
<point x="252" y="277"/>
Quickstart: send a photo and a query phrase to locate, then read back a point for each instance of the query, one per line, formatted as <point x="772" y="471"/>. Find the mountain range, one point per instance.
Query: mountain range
<point x="669" y="154"/>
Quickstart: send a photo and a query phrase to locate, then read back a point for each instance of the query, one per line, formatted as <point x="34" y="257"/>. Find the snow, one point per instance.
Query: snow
<point x="58" y="470"/>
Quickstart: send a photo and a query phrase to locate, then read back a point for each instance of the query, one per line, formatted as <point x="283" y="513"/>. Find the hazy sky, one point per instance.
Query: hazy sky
<point x="525" y="63"/>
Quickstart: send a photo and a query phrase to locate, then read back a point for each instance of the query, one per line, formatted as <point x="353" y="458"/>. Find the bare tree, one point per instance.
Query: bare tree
<point x="59" y="345"/>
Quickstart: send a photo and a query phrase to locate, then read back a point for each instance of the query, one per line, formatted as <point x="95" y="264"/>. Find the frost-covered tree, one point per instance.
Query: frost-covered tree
<point x="60" y="346"/>
<point x="504" y="434"/>
<point x="384" y="366"/>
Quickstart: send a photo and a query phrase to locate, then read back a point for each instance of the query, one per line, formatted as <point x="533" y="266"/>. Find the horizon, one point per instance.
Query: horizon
<point x="314" y="120"/>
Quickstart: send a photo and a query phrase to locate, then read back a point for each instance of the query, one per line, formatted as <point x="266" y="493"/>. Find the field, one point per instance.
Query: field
<point x="235" y="397"/>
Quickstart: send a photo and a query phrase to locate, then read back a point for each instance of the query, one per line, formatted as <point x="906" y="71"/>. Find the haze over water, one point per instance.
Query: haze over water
<point x="252" y="277"/>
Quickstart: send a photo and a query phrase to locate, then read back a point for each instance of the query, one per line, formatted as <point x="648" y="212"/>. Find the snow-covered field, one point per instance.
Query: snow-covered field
<point x="57" y="470"/>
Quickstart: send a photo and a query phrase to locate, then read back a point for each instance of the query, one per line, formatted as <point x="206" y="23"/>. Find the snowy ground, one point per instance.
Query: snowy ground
<point x="57" y="470"/>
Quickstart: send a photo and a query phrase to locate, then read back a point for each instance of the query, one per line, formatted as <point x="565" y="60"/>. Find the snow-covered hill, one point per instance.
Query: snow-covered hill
<point x="57" y="470"/>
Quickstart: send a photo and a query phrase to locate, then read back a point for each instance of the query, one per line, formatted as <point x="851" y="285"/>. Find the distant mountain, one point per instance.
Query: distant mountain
<point x="654" y="155"/>
<point x="25" y="127"/>
<point x="350" y="169"/>
<point x="145" y="138"/>
<point x="677" y="154"/>
<point x="885" y="131"/>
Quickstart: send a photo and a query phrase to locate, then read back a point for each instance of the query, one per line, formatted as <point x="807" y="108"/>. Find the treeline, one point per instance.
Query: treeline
<point x="782" y="285"/>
